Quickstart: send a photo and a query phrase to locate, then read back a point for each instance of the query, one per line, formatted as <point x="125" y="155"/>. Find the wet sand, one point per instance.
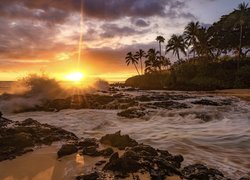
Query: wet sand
<point x="42" y="164"/>
<point x="240" y="93"/>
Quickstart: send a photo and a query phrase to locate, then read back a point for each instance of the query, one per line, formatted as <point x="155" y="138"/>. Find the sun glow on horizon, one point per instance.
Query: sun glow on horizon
<point x="75" y="76"/>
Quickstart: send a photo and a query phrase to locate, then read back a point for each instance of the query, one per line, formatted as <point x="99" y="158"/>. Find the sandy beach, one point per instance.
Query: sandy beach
<point x="40" y="164"/>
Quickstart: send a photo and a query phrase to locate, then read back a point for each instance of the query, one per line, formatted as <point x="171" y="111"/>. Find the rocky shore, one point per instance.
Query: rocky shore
<point x="18" y="138"/>
<point x="122" y="157"/>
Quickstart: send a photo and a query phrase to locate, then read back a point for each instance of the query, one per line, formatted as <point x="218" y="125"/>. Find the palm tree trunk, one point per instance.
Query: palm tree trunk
<point x="136" y="69"/>
<point x="160" y="47"/>
<point x="178" y="55"/>
<point x="141" y="66"/>
<point x="194" y="47"/>
<point x="241" y="29"/>
<point x="240" y="45"/>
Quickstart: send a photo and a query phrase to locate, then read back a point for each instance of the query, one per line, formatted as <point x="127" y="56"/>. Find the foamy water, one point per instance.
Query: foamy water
<point x="223" y="142"/>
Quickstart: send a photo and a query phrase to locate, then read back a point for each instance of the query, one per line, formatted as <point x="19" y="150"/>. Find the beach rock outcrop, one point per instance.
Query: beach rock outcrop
<point x="144" y="158"/>
<point x="91" y="176"/>
<point x="245" y="178"/>
<point x="132" y="113"/>
<point x="168" y="105"/>
<point x="20" y="137"/>
<point x="200" y="171"/>
<point x="67" y="149"/>
<point x="4" y="122"/>
<point x="136" y="160"/>
<point x="206" y="102"/>
<point x="118" y="140"/>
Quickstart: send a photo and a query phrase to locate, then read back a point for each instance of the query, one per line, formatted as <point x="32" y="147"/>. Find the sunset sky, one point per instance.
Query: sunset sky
<point x="43" y="35"/>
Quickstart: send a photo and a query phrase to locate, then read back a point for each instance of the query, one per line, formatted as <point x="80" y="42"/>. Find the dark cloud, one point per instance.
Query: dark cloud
<point x="141" y="23"/>
<point x="28" y="28"/>
<point x="19" y="11"/>
<point x="112" y="30"/>
<point x="101" y="9"/>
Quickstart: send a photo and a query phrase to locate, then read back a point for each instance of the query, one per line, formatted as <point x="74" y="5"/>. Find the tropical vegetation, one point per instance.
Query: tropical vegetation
<point x="213" y="57"/>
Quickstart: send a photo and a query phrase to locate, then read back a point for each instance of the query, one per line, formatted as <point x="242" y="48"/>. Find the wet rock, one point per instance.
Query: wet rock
<point x="87" y="143"/>
<point x="13" y="145"/>
<point x="245" y="178"/>
<point x="89" y="147"/>
<point x="59" y="104"/>
<point x="20" y="136"/>
<point x="132" y="113"/>
<point x="28" y="122"/>
<point x="199" y="171"/>
<point x="145" y="158"/>
<point x="169" y="105"/>
<point x="121" y="103"/>
<point x="4" y="122"/>
<point x="92" y="176"/>
<point x="118" y="140"/>
<point x="99" y="163"/>
<point x="180" y="97"/>
<point x="122" y="165"/>
<point x="91" y="151"/>
<point x="67" y="149"/>
<point x="144" y="98"/>
<point x="160" y="97"/>
<point x="204" y="117"/>
<point x="206" y="102"/>
<point x="106" y="152"/>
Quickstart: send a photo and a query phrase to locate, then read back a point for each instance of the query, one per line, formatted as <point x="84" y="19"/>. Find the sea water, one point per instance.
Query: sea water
<point x="222" y="141"/>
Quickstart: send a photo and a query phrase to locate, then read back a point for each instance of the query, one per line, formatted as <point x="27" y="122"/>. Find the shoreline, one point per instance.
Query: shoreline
<point x="42" y="163"/>
<point x="243" y="94"/>
<point x="52" y="161"/>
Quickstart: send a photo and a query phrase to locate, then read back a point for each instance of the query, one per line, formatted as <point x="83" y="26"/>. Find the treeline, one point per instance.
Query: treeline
<point x="215" y="56"/>
<point x="198" y="75"/>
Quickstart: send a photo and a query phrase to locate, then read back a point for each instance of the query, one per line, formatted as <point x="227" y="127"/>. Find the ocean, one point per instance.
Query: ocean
<point x="218" y="136"/>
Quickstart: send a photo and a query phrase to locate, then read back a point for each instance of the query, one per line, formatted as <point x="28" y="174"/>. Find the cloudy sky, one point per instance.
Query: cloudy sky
<point x="43" y="35"/>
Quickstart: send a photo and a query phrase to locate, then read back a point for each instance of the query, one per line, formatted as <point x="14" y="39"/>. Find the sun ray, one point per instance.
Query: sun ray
<point x="81" y="36"/>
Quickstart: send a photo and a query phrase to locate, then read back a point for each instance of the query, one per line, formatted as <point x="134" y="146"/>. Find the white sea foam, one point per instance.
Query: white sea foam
<point x="223" y="142"/>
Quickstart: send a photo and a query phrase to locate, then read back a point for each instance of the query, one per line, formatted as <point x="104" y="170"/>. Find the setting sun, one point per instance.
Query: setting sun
<point x="75" y="76"/>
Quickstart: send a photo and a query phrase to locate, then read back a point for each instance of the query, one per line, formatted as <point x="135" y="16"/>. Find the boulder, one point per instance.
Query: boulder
<point x="144" y="158"/>
<point x="200" y="171"/>
<point x="20" y="137"/>
<point x="132" y="113"/>
<point x="92" y="176"/>
<point x="67" y="149"/>
<point x="106" y="152"/>
<point x="118" y="140"/>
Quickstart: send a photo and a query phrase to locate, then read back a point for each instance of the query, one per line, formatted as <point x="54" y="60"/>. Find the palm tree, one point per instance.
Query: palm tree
<point x="153" y="60"/>
<point x="190" y="34"/>
<point x="160" y="39"/>
<point x="176" y="44"/>
<point x="242" y="10"/>
<point x="203" y="46"/>
<point x="130" y="58"/>
<point x="166" y="62"/>
<point x="139" y="55"/>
